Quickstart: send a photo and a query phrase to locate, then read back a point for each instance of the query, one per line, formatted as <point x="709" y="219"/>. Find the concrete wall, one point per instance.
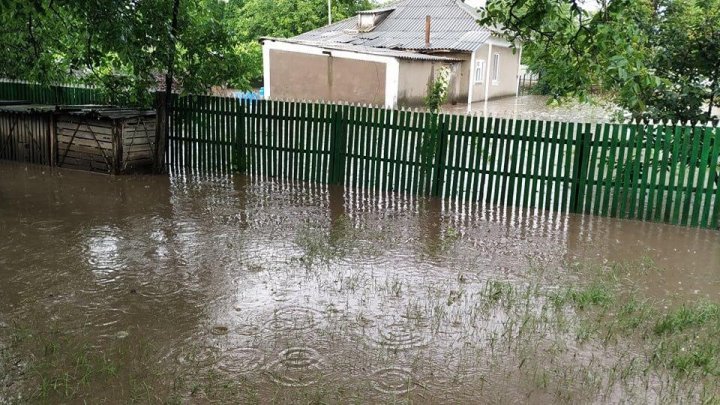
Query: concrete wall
<point x="507" y="83"/>
<point x="462" y="79"/>
<point x="301" y="76"/>
<point x="416" y="76"/>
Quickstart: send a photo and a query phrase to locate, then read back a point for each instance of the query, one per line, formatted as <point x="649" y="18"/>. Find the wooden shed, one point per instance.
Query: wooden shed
<point x="26" y="132"/>
<point x="106" y="140"/>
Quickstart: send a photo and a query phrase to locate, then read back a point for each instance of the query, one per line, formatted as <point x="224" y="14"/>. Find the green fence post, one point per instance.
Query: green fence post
<point x="239" y="159"/>
<point x="338" y="145"/>
<point x="440" y="150"/>
<point x="579" y="171"/>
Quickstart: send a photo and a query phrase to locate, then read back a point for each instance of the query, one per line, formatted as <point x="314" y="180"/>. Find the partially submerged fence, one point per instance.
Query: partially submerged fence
<point x="25" y="136"/>
<point x="43" y="94"/>
<point x="662" y="173"/>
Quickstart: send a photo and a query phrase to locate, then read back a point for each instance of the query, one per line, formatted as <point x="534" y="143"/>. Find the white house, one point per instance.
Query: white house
<point x="388" y="57"/>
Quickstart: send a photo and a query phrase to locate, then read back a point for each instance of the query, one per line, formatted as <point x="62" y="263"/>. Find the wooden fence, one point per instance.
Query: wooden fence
<point x="662" y="173"/>
<point x="42" y="94"/>
<point x="25" y="137"/>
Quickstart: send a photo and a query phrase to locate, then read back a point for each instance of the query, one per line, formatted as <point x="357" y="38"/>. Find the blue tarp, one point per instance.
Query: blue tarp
<point x="251" y="95"/>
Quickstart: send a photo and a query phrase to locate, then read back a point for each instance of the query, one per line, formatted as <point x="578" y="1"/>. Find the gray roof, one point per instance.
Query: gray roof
<point x="454" y="27"/>
<point x="367" y="50"/>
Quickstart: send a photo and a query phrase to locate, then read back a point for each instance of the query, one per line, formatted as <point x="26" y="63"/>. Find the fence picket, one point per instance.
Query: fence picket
<point x="654" y="172"/>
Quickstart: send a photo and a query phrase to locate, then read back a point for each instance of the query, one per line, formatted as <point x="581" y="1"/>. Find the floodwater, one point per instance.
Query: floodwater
<point x="293" y="291"/>
<point x="536" y="107"/>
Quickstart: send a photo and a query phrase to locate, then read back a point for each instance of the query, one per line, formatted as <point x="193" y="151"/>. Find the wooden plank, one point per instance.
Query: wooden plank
<point x="548" y="156"/>
<point x="692" y="169"/>
<point x="508" y="170"/>
<point x="654" y="176"/>
<point x="497" y="156"/>
<point x="523" y="157"/>
<point x="465" y="158"/>
<point x="479" y="147"/>
<point x="415" y="143"/>
<point x="706" y="135"/>
<point x="447" y="152"/>
<point x="562" y="170"/>
<point x="99" y="127"/>
<point x="684" y="144"/>
<point x="603" y="166"/>
<point x="404" y="138"/>
<point x="713" y="177"/>
<point x="387" y="149"/>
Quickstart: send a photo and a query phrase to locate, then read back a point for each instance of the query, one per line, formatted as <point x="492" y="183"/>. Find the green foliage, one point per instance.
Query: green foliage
<point x="687" y="43"/>
<point x="436" y="96"/>
<point x="656" y="58"/>
<point x="124" y="46"/>
<point x="437" y="92"/>
<point x="286" y="18"/>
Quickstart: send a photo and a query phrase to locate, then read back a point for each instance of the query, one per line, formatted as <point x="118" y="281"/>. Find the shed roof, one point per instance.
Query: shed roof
<point x="110" y="113"/>
<point x="454" y="27"/>
<point x="367" y="50"/>
<point x="27" y="108"/>
<point x="86" y="111"/>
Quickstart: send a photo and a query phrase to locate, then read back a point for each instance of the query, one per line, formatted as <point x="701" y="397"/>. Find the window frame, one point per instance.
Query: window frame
<point x="495" y="72"/>
<point x="481" y="69"/>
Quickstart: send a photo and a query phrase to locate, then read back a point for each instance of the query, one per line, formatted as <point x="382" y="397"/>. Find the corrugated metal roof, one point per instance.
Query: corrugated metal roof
<point x="394" y="53"/>
<point x="454" y="27"/>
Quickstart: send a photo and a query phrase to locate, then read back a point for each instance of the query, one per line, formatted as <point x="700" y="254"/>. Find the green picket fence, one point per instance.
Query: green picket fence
<point x="42" y="94"/>
<point x="663" y="173"/>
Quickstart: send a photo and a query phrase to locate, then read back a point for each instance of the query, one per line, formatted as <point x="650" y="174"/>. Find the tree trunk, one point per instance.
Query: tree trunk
<point x="713" y="92"/>
<point x="712" y="101"/>
<point x="162" y="141"/>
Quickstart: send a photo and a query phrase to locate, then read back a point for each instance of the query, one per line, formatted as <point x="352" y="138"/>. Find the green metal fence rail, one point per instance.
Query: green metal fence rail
<point x="656" y="172"/>
<point x="42" y="94"/>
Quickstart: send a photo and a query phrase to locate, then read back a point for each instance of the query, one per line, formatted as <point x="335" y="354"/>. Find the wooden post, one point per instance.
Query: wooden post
<point x="52" y="139"/>
<point x="439" y="172"/>
<point x="240" y="157"/>
<point x="162" y="131"/>
<point x="579" y="171"/>
<point x="117" y="157"/>
<point x="338" y="146"/>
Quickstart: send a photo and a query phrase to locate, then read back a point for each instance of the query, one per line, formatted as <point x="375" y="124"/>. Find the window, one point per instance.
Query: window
<point x="496" y="69"/>
<point x="480" y="71"/>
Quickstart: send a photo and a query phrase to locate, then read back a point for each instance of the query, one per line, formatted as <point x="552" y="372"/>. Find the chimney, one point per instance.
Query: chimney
<point x="427" y="31"/>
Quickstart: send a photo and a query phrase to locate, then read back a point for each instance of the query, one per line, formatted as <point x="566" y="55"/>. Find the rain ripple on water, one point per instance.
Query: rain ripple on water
<point x="393" y="381"/>
<point x="293" y="318"/>
<point x="296" y="367"/>
<point x="242" y="360"/>
<point x="400" y="335"/>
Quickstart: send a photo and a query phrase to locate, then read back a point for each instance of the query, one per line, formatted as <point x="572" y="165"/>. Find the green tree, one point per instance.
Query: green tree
<point x="286" y="18"/>
<point x="124" y="45"/>
<point x="687" y="42"/>
<point x="634" y="50"/>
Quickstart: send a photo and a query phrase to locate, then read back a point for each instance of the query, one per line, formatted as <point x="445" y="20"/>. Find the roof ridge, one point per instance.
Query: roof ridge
<point x="453" y="20"/>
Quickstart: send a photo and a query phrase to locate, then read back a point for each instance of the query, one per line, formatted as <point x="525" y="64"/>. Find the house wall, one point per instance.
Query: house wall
<point x="302" y="76"/>
<point x="509" y="66"/>
<point x="417" y="75"/>
<point x="507" y="83"/>
<point x="461" y="77"/>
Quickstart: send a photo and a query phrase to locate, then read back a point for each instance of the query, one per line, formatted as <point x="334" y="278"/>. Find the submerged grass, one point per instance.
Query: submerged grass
<point x="594" y="338"/>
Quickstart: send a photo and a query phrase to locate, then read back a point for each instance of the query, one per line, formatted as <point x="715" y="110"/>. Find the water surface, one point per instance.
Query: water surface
<point x="292" y="289"/>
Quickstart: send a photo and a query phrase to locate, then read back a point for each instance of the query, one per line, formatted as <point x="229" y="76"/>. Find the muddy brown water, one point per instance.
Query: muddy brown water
<point x="536" y="107"/>
<point x="294" y="286"/>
